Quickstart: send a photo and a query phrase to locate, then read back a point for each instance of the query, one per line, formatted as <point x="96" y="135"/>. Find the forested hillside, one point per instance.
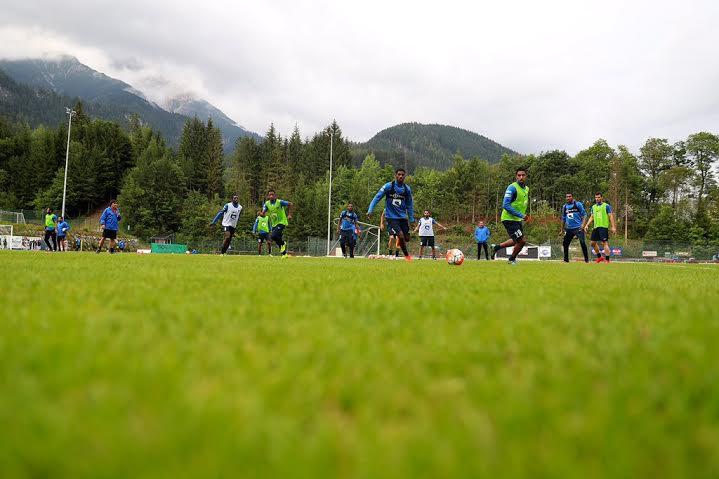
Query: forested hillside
<point x="413" y="145"/>
<point x="112" y="99"/>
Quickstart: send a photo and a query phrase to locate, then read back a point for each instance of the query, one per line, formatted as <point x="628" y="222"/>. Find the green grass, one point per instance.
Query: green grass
<point x="134" y="366"/>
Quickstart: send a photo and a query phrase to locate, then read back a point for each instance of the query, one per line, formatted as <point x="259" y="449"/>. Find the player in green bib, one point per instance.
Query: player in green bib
<point x="602" y="215"/>
<point x="275" y="209"/>
<point x="514" y="213"/>
<point x="262" y="228"/>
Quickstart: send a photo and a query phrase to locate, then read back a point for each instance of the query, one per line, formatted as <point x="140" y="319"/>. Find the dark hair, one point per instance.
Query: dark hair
<point x="598" y="193"/>
<point x="568" y="193"/>
<point x="521" y="169"/>
<point x="398" y="170"/>
<point x="271" y="191"/>
<point x="113" y="201"/>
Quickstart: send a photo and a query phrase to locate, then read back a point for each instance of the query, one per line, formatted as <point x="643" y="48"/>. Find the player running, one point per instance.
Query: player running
<point x="514" y="209"/>
<point x="110" y="224"/>
<point x="229" y="213"/>
<point x="278" y="217"/>
<point x="262" y="228"/>
<point x="398" y="205"/>
<point x="601" y="215"/>
<point x="347" y="228"/>
<point x="573" y="216"/>
<point x="426" y="233"/>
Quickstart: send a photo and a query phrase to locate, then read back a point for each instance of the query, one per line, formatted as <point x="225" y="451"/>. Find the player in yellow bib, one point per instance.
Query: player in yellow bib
<point x="601" y="216"/>
<point x="275" y="209"/>
<point x="514" y="213"/>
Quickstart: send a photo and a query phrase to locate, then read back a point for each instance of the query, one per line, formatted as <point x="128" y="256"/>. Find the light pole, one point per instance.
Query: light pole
<point x="70" y="113"/>
<point x="329" y="194"/>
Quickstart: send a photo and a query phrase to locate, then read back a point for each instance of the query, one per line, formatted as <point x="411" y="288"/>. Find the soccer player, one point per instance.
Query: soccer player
<point x="601" y="216"/>
<point x="229" y="213"/>
<point x="398" y="205"/>
<point x="50" y="230"/>
<point x="347" y="228"/>
<point x="279" y="218"/>
<point x="78" y="243"/>
<point x="481" y="236"/>
<point x="514" y="209"/>
<point x="573" y="215"/>
<point x="110" y="223"/>
<point x="262" y="228"/>
<point x="62" y="229"/>
<point x="393" y="244"/>
<point x="426" y="233"/>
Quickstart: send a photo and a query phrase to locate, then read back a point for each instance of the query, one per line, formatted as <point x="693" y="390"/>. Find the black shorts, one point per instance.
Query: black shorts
<point x="574" y="233"/>
<point x="347" y="237"/>
<point x="426" y="241"/>
<point x="231" y="229"/>
<point x="109" y="234"/>
<point x="61" y="238"/>
<point x="277" y="232"/>
<point x="263" y="236"/>
<point x="514" y="229"/>
<point x="600" y="234"/>
<point x="395" y="227"/>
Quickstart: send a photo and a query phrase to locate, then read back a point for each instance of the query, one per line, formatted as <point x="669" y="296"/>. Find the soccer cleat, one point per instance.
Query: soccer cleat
<point x="494" y="250"/>
<point x="512" y="262"/>
<point x="97" y="250"/>
<point x="408" y="258"/>
<point x="284" y="256"/>
<point x="283" y="248"/>
<point x="599" y="260"/>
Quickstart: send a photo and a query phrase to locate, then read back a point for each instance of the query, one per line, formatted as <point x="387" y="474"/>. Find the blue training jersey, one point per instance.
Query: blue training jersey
<point x="573" y="215"/>
<point x="398" y="201"/>
<point x="348" y="219"/>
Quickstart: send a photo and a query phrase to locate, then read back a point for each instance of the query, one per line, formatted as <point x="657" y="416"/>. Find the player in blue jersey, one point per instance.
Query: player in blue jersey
<point x="573" y="215"/>
<point x="347" y="229"/>
<point x="397" y="207"/>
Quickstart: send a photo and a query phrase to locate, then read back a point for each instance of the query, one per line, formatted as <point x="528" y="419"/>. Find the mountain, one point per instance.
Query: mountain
<point x="114" y="98"/>
<point x="413" y="145"/>
<point x="188" y="105"/>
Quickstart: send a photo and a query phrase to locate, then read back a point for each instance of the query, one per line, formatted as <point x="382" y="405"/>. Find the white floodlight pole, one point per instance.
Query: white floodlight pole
<point x="329" y="195"/>
<point x="70" y="113"/>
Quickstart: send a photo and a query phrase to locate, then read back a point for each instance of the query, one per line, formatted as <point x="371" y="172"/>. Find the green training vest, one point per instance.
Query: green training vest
<point x="520" y="203"/>
<point x="601" y="218"/>
<point x="276" y="213"/>
<point x="263" y="224"/>
<point x="49" y="223"/>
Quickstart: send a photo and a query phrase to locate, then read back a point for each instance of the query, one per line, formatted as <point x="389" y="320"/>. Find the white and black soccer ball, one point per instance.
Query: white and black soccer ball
<point x="455" y="257"/>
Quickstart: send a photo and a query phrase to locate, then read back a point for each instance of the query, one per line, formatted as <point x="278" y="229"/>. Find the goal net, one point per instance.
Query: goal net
<point x="12" y="217"/>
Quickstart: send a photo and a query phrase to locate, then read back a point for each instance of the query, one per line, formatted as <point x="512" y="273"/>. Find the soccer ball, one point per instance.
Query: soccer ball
<point x="455" y="257"/>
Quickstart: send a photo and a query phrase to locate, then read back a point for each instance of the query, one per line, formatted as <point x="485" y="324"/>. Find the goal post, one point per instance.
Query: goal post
<point x="12" y="217"/>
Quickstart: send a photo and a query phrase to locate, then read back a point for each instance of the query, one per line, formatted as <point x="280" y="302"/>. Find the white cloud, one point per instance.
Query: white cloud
<point x="531" y="75"/>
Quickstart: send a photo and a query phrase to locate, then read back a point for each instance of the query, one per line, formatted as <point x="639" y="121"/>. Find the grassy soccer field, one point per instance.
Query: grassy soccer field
<point x="205" y="366"/>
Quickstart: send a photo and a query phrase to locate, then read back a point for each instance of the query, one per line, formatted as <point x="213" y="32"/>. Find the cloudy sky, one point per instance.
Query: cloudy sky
<point x="532" y="75"/>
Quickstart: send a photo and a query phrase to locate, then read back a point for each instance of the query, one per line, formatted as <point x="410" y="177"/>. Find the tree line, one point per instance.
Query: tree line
<point x="665" y="191"/>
